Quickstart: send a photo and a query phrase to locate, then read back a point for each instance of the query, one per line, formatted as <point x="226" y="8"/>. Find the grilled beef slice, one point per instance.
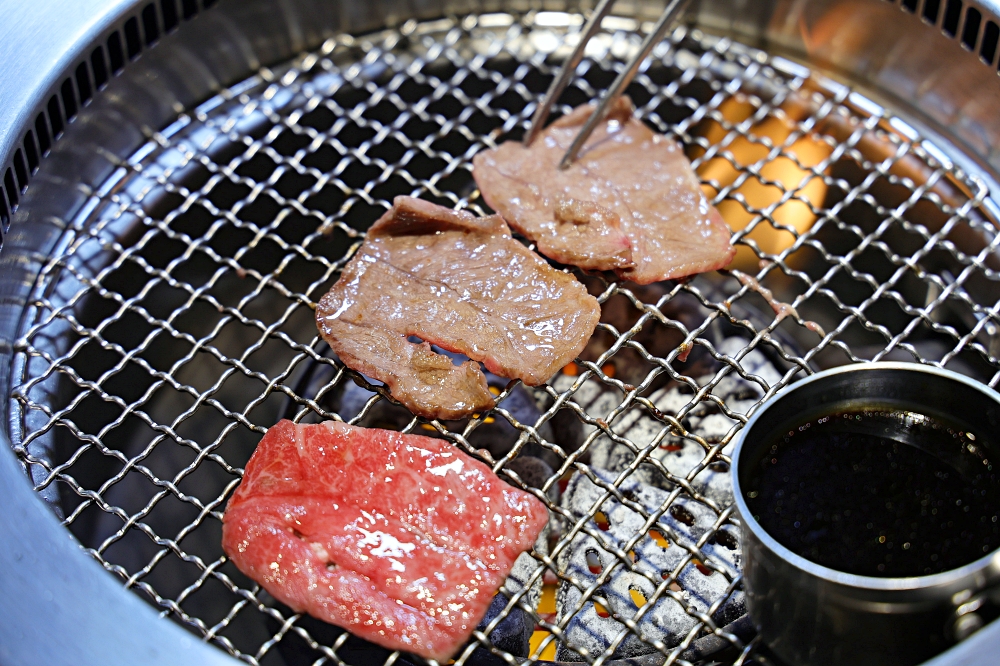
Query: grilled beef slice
<point x="462" y="283"/>
<point x="630" y="203"/>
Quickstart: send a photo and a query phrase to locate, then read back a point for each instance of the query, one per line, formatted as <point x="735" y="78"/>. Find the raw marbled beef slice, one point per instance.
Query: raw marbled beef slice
<point x="402" y="540"/>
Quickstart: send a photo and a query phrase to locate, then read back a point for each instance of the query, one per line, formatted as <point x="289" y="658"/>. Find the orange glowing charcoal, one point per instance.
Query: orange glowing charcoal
<point x="601" y="610"/>
<point x="660" y="540"/>
<point x="547" y="603"/>
<point x="535" y="642"/>
<point x="571" y="369"/>
<point x="720" y="171"/>
<point x="638" y="598"/>
<point x="705" y="571"/>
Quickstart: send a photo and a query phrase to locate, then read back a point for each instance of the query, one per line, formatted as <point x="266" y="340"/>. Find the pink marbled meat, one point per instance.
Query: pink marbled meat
<point x="630" y="203"/>
<point x="402" y="540"/>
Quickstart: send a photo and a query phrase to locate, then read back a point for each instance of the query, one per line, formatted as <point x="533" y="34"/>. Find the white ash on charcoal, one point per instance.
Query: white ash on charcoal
<point x="699" y="584"/>
<point x="680" y="455"/>
<point x="677" y="455"/>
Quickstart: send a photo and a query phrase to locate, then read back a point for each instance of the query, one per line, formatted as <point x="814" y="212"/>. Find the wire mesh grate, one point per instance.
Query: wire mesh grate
<point x="174" y="324"/>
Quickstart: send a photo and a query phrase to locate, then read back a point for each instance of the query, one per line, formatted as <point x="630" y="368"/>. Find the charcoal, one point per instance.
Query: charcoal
<point x="668" y="621"/>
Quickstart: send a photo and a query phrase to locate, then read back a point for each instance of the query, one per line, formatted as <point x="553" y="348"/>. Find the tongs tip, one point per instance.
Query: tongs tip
<point x="670" y="13"/>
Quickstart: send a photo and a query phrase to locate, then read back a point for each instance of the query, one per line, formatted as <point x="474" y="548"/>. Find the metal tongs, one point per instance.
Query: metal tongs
<point x="670" y="13"/>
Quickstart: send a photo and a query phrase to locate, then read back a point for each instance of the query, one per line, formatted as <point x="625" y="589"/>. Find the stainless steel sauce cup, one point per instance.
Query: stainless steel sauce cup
<point x="812" y="614"/>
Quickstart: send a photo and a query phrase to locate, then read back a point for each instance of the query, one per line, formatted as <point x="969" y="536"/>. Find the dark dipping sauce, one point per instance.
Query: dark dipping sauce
<point x="878" y="492"/>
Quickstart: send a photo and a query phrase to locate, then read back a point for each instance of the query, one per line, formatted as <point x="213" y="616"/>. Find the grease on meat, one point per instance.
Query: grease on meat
<point x="630" y="203"/>
<point x="462" y="283"/>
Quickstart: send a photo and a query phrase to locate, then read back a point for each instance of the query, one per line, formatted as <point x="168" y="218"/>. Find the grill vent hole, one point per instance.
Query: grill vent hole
<point x="931" y="9"/>
<point x="115" y="52"/>
<point x="132" y="43"/>
<point x="42" y="132"/>
<point x="988" y="50"/>
<point x="68" y="99"/>
<point x="970" y="34"/>
<point x="31" y="151"/>
<point x="99" y="67"/>
<point x="168" y="8"/>
<point x="20" y="170"/>
<point x="952" y="13"/>
<point x="149" y="24"/>
<point x="79" y="87"/>
<point x="55" y="117"/>
<point x="83" y="82"/>
<point x="10" y="188"/>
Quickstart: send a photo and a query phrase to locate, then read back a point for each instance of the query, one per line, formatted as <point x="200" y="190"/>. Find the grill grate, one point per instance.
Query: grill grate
<point x="174" y="324"/>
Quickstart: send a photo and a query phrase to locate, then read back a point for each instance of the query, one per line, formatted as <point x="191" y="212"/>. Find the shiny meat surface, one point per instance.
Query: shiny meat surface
<point x="462" y="283"/>
<point x="630" y="203"/>
<point x="402" y="540"/>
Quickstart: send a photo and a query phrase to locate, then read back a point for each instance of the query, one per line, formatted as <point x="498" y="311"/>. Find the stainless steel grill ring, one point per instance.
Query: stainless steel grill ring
<point x="183" y="179"/>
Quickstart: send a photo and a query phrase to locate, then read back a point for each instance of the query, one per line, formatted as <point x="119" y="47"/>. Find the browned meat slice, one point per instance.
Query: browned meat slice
<point x="460" y="282"/>
<point x="628" y="183"/>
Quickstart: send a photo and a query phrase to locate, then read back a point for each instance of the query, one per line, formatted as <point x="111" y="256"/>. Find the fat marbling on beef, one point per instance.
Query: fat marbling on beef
<point x="402" y="540"/>
<point x="630" y="203"/>
<point x="460" y="282"/>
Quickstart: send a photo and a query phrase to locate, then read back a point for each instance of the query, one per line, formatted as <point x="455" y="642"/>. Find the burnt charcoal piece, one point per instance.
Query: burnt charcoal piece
<point x="512" y="634"/>
<point x="678" y="455"/>
<point x="534" y="472"/>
